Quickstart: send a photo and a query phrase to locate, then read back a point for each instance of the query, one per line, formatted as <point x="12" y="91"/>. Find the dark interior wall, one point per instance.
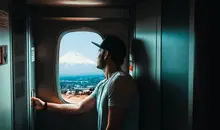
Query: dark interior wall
<point x="164" y="64"/>
<point x="147" y="53"/>
<point x="176" y="66"/>
<point x="18" y="24"/>
<point x="205" y="80"/>
<point x="4" y="5"/>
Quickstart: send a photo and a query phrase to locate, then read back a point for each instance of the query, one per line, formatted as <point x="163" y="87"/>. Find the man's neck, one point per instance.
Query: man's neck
<point x="109" y="71"/>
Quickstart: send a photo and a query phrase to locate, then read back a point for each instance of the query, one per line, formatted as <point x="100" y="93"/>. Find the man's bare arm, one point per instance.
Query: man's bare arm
<point x="87" y="104"/>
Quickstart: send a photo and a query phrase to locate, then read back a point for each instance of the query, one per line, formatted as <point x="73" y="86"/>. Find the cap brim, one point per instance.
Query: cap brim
<point x="96" y="44"/>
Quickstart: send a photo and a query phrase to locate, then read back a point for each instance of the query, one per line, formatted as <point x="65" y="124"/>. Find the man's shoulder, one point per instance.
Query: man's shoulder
<point x="123" y="76"/>
<point x="124" y="79"/>
<point x="102" y="81"/>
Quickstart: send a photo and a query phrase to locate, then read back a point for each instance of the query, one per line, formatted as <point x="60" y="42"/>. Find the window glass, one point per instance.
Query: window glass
<point x="78" y="74"/>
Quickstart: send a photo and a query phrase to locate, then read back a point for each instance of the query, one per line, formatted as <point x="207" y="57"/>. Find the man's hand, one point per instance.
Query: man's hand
<point x="37" y="103"/>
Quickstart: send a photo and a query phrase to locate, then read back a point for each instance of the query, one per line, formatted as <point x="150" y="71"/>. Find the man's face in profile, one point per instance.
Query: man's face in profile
<point x="100" y="59"/>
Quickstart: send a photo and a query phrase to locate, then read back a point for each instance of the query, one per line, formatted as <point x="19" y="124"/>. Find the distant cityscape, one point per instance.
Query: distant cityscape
<point x="79" y="85"/>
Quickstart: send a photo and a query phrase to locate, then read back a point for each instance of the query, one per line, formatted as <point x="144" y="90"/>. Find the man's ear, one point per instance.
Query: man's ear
<point x="106" y="54"/>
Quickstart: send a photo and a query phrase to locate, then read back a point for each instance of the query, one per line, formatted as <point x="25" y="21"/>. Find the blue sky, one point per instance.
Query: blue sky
<point x="80" y="42"/>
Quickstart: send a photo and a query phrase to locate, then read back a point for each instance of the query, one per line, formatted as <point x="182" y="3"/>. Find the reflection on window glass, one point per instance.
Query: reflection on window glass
<point x="78" y="74"/>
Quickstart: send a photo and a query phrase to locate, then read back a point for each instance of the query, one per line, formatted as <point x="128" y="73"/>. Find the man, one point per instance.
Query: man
<point x="115" y="97"/>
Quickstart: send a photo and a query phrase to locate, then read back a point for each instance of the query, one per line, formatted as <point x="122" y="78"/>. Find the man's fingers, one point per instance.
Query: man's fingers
<point x="34" y="98"/>
<point x="33" y="101"/>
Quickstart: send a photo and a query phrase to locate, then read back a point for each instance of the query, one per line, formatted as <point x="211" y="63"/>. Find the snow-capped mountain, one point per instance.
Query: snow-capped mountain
<point x="75" y="58"/>
<point x="74" y="63"/>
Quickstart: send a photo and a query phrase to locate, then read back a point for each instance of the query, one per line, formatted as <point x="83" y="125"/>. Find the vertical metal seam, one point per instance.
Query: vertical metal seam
<point x="191" y="62"/>
<point x="12" y="68"/>
<point x="27" y="71"/>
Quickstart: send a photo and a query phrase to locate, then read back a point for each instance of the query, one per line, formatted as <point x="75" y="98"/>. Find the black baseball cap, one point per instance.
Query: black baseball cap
<point x="114" y="45"/>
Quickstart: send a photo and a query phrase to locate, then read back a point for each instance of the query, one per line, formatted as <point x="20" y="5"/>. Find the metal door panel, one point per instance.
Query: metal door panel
<point x="46" y="34"/>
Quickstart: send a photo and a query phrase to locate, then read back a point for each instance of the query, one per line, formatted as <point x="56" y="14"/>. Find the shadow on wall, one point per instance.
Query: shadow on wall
<point x="150" y="108"/>
<point x="61" y="121"/>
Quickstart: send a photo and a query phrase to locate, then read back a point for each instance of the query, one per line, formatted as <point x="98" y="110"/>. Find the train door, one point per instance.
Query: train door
<point x="6" y="72"/>
<point x="30" y="72"/>
<point x="48" y="30"/>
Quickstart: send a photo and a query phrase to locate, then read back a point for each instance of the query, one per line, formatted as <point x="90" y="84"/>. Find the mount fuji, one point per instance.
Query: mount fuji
<point x="75" y="58"/>
<point x="74" y="63"/>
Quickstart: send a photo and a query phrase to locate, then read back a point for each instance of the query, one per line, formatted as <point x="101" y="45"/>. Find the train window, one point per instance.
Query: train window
<point x="78" y="74"/>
